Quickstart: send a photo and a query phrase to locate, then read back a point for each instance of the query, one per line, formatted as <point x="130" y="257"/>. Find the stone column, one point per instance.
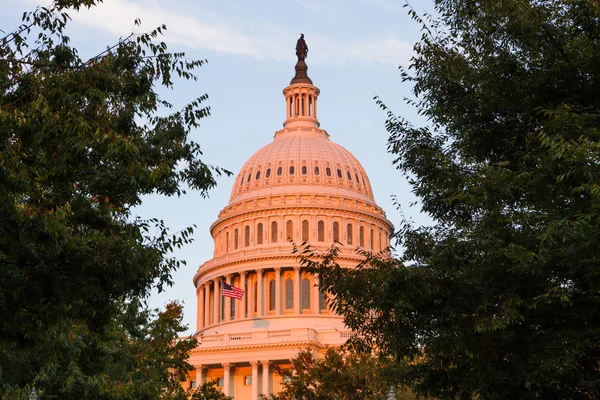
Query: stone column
<point x="278" y="290"/>
<point x="200" y="308"/>
<point x="216" y="301"/>
<point x="199" y="375"/>
<point x="226" y="378"/>
<point x="297" y="289"/>
<point x="265" y="377"/>
<point x="254" y="379"/>
<point x="241" y="310"/>
<point x="206" y="304"/>
<point x="314" y="295"/>
<point x="259" y="293"/>
<point x="227" y="300"/>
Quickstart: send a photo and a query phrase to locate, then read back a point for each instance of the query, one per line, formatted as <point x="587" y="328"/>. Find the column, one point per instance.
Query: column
<point x="216" y="301"/>
<point x="241" y="311"/>
<point x="314" y="295"/>
<point x="200" y="308"/>
<point x="315" y="107"/>
<point x="206" y="304"/>
<point x="227" y="300"/>
<point x="297" y="289"/>
<point x="259" y="294"/>
<point x="226" y="372"/>
<point x="265" y="377"/>
<point x="199" y="376"/>
<point x="254" y="379"/>
<point x="278" y="290"/>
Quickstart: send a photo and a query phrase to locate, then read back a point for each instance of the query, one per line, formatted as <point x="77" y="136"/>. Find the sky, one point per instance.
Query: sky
<point x="355" y="49"/>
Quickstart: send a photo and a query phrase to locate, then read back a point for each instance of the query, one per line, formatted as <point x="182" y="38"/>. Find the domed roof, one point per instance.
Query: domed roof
<point x="302" y="159"/>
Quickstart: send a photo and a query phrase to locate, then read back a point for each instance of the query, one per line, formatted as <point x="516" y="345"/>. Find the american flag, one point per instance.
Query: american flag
<point x="232" y="291"/>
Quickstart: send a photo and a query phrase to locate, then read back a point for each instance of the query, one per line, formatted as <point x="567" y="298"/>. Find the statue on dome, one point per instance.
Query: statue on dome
<point x="301" y="48"/>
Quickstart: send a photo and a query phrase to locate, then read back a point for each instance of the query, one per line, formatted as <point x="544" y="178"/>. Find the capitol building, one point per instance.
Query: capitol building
<point x="301" y="187"/>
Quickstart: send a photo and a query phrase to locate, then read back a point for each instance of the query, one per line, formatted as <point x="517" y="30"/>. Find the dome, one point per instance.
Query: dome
<point x="305" y="160"/>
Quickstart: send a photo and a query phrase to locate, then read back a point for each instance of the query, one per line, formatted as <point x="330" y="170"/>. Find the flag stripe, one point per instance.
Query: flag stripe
<point x="232" y="291"/>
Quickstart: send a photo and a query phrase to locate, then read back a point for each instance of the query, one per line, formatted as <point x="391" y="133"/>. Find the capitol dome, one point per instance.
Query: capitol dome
<point x="300" y="188"/>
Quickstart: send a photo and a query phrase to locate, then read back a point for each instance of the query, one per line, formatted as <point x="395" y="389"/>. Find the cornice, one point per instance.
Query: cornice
<point x="296" y="344"/>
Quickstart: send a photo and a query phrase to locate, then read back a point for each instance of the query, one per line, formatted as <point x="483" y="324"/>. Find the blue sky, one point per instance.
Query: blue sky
<point x="355" y="48"/>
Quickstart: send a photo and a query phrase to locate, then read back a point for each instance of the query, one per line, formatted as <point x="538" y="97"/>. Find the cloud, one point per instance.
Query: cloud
<point x="198" y="28"/>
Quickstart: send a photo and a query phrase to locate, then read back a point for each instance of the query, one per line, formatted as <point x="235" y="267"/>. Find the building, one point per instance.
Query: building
<point x="301" y="187"/>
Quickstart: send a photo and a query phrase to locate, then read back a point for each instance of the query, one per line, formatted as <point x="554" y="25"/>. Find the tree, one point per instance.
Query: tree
<point x="209" y="391"/>
<point x="81" y="141"/>
<point x="337" y="374"/>
<point x="499" y="297"/>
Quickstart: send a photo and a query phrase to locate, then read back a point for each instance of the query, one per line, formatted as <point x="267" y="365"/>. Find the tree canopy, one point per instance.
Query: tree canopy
<point x="499" y="297"/>
<point x="81" y="141"/>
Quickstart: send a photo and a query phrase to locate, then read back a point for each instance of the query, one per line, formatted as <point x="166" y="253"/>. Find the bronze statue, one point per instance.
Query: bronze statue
<point x="301" y="48"/>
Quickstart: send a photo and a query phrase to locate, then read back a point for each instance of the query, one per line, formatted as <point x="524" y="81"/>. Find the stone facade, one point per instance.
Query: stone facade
<point x="301" y="187"/>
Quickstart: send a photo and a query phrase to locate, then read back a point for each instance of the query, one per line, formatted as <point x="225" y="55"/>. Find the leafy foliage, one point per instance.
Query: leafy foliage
<point x="209" y="391"/>
<point x="81" y="141"/>
<point x="499" y="298"/>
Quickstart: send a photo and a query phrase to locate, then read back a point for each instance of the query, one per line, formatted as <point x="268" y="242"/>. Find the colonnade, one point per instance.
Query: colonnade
<point x="201" y="371"/>
<point x="268" y="292"/>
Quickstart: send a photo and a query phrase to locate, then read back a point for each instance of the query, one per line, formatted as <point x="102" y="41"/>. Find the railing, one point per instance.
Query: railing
<point x="274" y="336"/>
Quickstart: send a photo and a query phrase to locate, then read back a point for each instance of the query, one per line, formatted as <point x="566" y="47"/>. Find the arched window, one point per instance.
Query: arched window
<point x="259" y="234"/>
<point x="289" y="230"/>
<point x="316" y="170"/>
<point x="268" y="173"/>
<point x="272" y="295"/>
<point x="356" y="176"/>
<point x="257" y="175"/>
<point x="362" y="237"/>
<point x="289" y="294"/>
<point x="304" y="170"/>
<point x="255" y="296"/>
<point x="321" y="231"/>
<point x="349" y="175"/>
<point x="291" y="170"/>
<point x="236" y="239"/>
<point x="339" y="173"/>
<point x="328" y="171"/>
<point x="305" y="291"/>
<point x="273" y="232"/>
<point x="305" y="230"/>
<point x="349" y="233"/>
<point x="279" y="171"/>
<point x="247" y="236"/>
<point x="336" y="232"/>
<point x="249" y="176"/>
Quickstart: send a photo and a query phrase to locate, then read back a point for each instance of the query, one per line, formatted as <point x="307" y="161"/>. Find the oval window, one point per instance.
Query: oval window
<point x="257" y="175"/>
<point x="304" y="170"/>
<point x="291" y="170"/>
<point x="268" y="173"/>
<point x="349" y="176"/>
<point x="249" y="176"/>
<point x="328" y="171"/>
<point x="316" y="170"/>
<point x="279" y="171"/>
<point x="339" y="172"/>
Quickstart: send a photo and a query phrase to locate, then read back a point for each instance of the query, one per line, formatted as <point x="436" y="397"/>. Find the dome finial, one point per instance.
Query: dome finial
<point x="301" y="67"/>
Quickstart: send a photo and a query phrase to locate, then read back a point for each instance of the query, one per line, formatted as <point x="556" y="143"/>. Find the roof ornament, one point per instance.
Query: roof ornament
<point x="301" y="75"/>
<point x="301" y="48"/>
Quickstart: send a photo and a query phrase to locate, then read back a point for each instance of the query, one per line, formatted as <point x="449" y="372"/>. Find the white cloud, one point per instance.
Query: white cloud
<point x="198" y="28"/>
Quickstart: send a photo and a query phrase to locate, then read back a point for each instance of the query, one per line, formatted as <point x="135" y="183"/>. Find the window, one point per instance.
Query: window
<point x="248" y="380"/>
<point x="227" y="241"/>
<point x="322" y="301"/>
<point x="259" y="234"/>
<point x="193" y="384"/>
<point x="349" y="233"/>
<point x="356" y="176"/>
<point x="241" y="180"/>
<point x="379" y="239"/>
<point x="268" y="173"/>
<point x="279" y="171"/>
<point x="247" y="236"/>
<point x="236" y="238"/>
<point x="339" y="173"/>
<point x="257" y="175"/>
<point x="328" y="171"/>
<point x="272" y="295"/>
<point x="305" y="291"/>
<point x="249" y="176"/>
<point x="349" y="175"/>
<point x="362" y="237"/>
<point x="336" y="232"/>
<point x="255" y="296"/>
<point x="290" y="230"/>
<point x="289" y="294"/>
<point x="221" y="382"/>
<point x="291" y="170"/>
<point x="316" y="170"/>
<point x="274" y="232"/>
<point x="305" y="230"/>
<point x="371" y="239"/>
<point x="321" y="231"/>
<point x="246" y="302"/>
<point x="304" y="170"/>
